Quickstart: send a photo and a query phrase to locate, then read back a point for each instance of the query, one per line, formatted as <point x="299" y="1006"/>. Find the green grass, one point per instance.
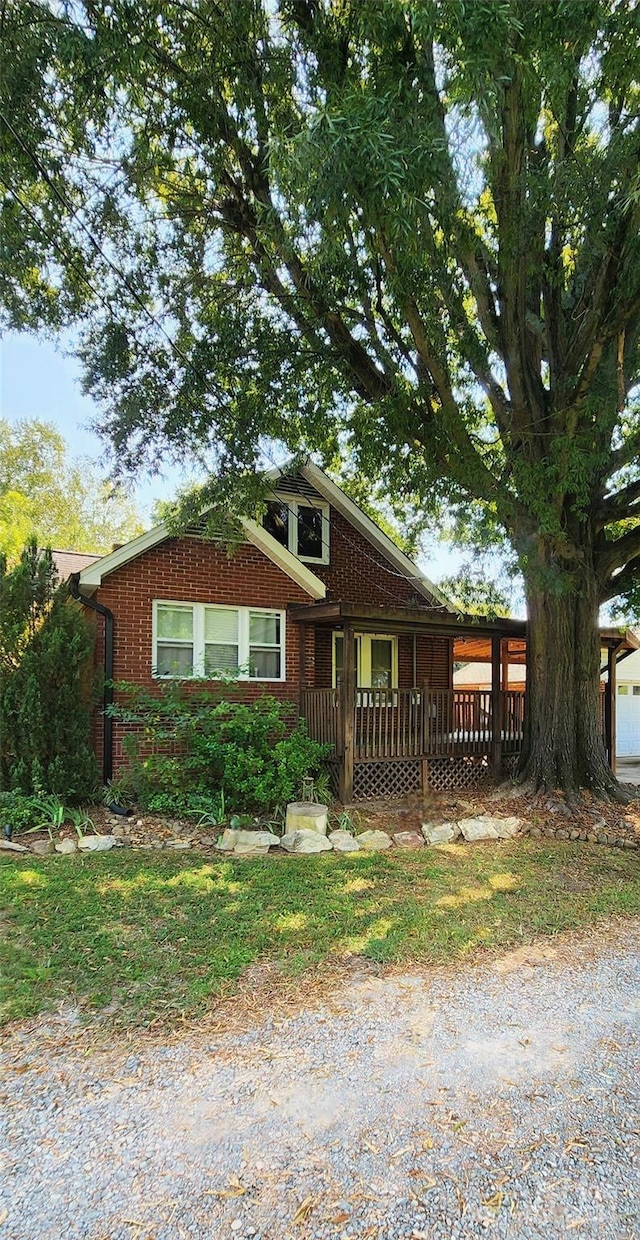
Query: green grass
<point x="156" y="936"/>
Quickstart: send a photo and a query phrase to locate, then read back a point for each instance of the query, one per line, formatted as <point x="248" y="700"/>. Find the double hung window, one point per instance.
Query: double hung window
<point x="197" y="639"/>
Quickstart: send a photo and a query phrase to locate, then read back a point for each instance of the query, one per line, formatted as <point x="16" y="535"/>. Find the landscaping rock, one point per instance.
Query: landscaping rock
<point x="96" y="843"/>
<point x="478" y="829"/>
<point x="67" y="846"/>
<point x="256" y="839"/>
<point x="506" y="828"/>
<point x="408" y="839"/>
<point x="11" y="846"/>
<point x="177" y="844"/>
<point x="305" y="841"/>
<point x="251" y="850"/>
<point x="440" y="832"/>
<point x="306" y="816"/>
<point x="42" y="848"/>
<point x="374" y="841"/>
<point x="227" y="841"/>
<point x="343" y="841"/>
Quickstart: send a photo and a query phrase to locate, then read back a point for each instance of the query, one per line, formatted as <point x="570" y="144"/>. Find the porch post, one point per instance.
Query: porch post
<point x="303" y="630"/>
<point x="505" y="662"/>
<point x="496" y="704"/>
<point x="610" y="705"/>
<point x="348" y="708"/>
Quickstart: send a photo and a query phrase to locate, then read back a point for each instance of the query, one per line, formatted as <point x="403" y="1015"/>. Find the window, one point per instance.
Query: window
<point x="301" y="527"/>
<point x="623" y="690"/>
<point x="376" y="659"/>
<point x="636" y="690"/>
<point x="196" y="639"/>
<point x="174" y="644"/>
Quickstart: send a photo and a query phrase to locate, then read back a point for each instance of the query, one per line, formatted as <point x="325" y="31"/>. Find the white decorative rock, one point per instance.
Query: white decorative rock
<point x="251" y="850"/>
<point x="227" y="841"/>
<point x="478" y="829"/>
<point x="96" y="843"/>
<point x="343" y="841"/>
<point x="408" y="839"/>
<point x="305" y="816"/>
<point x="374" y="841"/>
<point x="506" y="827"/>
<point x="67" y="846"/>
<point x="305" y="841"/>
<point x="11" y="846"/>
<point x="256" y="839"/>
<point x="440" y="832"/>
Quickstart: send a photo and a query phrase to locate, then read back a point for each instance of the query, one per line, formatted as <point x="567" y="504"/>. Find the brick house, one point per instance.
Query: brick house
<point x="318" y="607"/>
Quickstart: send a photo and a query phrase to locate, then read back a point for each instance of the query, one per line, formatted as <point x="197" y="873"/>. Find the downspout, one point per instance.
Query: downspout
<point x="107" y="700"/>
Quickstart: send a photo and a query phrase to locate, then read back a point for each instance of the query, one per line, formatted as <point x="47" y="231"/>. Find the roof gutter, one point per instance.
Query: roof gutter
<point x="107" y="699"/>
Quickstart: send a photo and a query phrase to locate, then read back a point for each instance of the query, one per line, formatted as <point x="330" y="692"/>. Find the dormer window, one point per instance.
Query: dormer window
<point x="301" y="526"/>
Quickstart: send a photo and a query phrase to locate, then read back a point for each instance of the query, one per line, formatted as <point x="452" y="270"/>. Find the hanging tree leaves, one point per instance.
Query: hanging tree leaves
<point x="409" y="231"/>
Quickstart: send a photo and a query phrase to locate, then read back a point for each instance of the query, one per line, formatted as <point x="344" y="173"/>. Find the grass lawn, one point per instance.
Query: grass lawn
<point x="156" y="936"/>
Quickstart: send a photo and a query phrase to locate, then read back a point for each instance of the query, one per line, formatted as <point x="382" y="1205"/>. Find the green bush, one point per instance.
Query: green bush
<point x="46" y="650"/>
<point x="187" y="747"/>
<point x="19" y="811"/>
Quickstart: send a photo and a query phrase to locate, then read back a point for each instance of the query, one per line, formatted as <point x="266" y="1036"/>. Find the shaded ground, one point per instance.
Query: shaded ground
<point x="497" y="1100"/>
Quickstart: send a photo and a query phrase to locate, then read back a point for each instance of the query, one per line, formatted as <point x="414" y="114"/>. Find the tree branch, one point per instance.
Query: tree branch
<point x="617" y="554"/>
<point x="616" y="507"/>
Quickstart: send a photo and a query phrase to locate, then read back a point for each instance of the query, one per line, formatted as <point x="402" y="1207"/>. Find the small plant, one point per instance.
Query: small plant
<point x="120" y="792"/>
<point x="346" y="822"/>
<point x="322" y="788"/>
<point x="54" y="816"/>
<point x="213" y="817"/>
<point x="80" y="821"/>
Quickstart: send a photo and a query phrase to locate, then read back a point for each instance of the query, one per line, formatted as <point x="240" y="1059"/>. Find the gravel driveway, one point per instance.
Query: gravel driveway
<point x="498" y="1099"/>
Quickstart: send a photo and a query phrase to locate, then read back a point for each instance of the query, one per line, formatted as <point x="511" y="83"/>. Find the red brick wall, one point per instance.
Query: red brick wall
<point x="359" y="573"/>
<point x="193" y="571"/>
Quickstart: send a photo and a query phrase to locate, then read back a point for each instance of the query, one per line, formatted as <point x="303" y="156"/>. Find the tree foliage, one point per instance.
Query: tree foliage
<point x="404" y="231"/>
<point x="55" y="497"/>
<point x="46" y="683"/>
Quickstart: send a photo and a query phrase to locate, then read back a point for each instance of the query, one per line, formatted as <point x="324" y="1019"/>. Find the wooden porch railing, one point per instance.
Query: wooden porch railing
<point x="416" y="723"/>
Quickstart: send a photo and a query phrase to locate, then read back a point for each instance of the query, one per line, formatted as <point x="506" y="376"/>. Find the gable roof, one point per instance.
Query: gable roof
<point x="406" y="567"/>
<point x="315" y="480"/>
<point x="91" y="576"/>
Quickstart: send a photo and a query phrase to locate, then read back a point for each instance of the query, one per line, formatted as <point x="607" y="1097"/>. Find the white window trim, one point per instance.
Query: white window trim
<point x="198" y="610"/>
<point x="294" y="505"/>
<point x="364" y="659"/>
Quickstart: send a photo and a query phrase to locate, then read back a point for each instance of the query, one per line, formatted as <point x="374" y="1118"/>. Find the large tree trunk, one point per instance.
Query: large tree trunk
<point x="563" y="745"/>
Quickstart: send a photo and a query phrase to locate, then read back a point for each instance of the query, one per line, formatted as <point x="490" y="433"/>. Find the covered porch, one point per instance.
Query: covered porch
<point x="392" y="731"/>
<point x="415" y="731"/>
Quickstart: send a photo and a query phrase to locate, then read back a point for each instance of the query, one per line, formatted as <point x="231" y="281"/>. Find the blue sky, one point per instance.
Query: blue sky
<point x="40" y="380"/>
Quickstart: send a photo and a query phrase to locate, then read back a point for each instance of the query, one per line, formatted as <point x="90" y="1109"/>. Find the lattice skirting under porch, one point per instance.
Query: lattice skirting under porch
<point x="510" y="764"/>
<point x="454" y="774"/>
<point x="374" y="781"/>
<point x="391" y="780"/>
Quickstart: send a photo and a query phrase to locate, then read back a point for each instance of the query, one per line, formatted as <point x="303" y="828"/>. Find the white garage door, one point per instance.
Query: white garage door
<point x="628" y="699"/>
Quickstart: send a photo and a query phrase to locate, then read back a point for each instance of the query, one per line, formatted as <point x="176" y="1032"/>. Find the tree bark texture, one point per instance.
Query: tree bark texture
<point x="564" y="747"/>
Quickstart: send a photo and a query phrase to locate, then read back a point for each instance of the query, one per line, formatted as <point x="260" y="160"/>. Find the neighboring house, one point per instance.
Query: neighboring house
<point x="320" y="608"/>
<point x="478" y="676"/>
<point x="66" y="563"/>
<point x="628" y="706"/>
